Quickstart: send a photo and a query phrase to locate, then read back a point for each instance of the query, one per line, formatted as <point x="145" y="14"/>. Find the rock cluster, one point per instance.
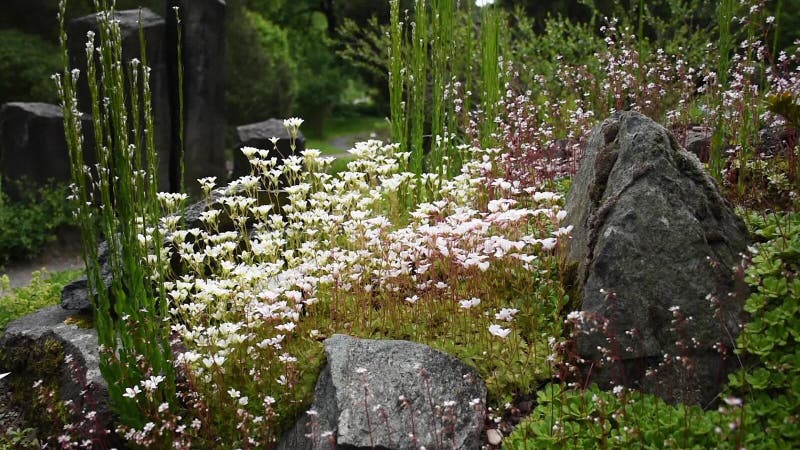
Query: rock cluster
<point x="32" y="137"/>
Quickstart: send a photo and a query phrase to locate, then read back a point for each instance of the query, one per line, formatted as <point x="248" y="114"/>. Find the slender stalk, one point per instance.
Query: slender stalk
<point x="490" y="73"/>
<point x="418" y="83"/>
<point x="725" y="12"/>
<point x="122" y="201"/>
<point x="181" y="125"/>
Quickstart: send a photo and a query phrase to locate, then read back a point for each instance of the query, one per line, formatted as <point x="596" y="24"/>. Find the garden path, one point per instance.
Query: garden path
<point x="63" y="254"/>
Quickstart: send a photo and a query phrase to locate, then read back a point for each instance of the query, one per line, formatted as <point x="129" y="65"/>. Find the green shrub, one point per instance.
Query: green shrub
<point x="261" y="71"/>
<point x="543" y="53"/>
<point x="29" y="223"/>
<point x="320" y="77"/>
<point x="44" y="290"/>
<point x="26" y="63"/>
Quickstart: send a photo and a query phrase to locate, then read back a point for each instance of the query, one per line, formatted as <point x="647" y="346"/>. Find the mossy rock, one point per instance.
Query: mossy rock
<point x="48" y="346"/>
<point x="38" y="362"/>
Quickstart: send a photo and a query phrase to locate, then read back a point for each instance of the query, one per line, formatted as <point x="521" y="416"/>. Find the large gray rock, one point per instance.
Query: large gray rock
<point x="153" y="27"/>
<point x="390" y="369"/>
<point x="203" y="58"/>
<point x="258" y="135"/>
<point x="36" y="347"/>
<point x="32" y="144"/>
<point x="652" y="233"/>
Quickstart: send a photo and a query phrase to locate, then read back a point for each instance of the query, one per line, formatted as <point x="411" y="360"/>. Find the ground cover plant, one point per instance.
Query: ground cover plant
<point x="451" y="240"/>
<point x="43" y="290"/>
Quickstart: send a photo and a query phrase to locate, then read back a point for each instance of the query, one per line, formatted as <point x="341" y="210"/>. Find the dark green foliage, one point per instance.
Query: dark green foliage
<point x="261" y="72"/>
<point x="26" y="63"/>
<point x="592" y="419"/>
<point x="28" y="224"/>
<point x="773" y="334"/>
<point x="320" y="75"/>
<point x="760" y="406"/>
<point x="542" y="53"/>
<point x="41" y="361"/>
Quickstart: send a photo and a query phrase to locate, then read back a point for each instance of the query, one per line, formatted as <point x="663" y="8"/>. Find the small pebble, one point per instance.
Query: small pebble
<point x="494" y="436"/>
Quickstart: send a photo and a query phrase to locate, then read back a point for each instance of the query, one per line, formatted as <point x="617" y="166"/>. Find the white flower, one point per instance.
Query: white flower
<point x="131" y="392"/>
<point x="506" y="314"/>
<point x="467" y="304"/>
<point x="234" y="393"/>
<point x="499" y="331"/>
<point x="733" y="401"/>
<point x="249" y="151"/>
<point x="293" y="122"/>
<point x="482" y="3"/>
<point x="152" y="383"/>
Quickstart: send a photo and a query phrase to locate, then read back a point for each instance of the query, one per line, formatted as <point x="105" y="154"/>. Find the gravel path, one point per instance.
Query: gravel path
<point x="63" y="254"/>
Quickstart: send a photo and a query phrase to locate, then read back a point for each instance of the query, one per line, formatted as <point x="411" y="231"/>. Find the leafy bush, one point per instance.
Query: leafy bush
<point x="543" y="53"/>
<point x="261" y="71"/>
<point x="26" y="63"/>
<point x="29" y="223"/>
<point x="320" y="77"/>
<point x="44" y="290"/>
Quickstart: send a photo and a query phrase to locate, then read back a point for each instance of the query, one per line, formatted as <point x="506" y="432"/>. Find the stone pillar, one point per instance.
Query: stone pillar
<point x="33" y="146"/>
<point x="258" y="135"/>
<point x="203" y="58"/>
<point x="153" y="27"/>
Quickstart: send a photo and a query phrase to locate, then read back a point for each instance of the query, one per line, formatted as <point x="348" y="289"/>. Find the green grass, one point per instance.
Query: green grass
<point x="44" y="290"/>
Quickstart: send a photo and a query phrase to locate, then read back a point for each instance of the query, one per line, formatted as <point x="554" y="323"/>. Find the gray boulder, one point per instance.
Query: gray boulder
<point x="258" y="135"/>
<point x="203" y="58"/>
<point x="153" y="27"/>
<point x="32" y="144"/>
<point x="381" y="372"/>
<point x="39" y="347"/>
<point x="654" y="245"/>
